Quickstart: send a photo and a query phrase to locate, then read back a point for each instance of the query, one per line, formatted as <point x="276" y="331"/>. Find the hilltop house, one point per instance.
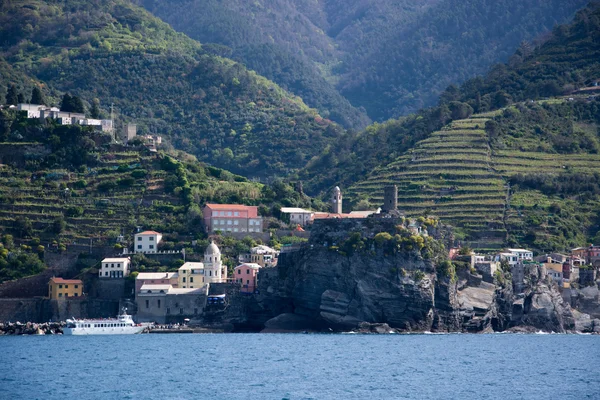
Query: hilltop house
<point x="298" y="216"/>
<point x="146" y="242"/>
<point x="114" y="267"/>
<point x="42" y="112"/>
<point x="232" y="218"/>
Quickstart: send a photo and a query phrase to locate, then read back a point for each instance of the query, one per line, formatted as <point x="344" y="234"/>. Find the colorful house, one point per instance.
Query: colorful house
<point x="232" y="218"/>
<point x="246" y="275"/>
<point x="59" y="288"/>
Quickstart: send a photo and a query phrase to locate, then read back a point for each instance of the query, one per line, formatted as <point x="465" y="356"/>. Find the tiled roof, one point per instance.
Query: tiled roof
<point x="61" y="280"/>
<point x="323" y="215"/>
<point x="249" y="265"/>
<point x="229" y="207"/>
<point x="148" y="233"/>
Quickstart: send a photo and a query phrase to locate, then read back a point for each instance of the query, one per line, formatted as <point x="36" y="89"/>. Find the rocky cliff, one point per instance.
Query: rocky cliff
<point x="360" y="274"/>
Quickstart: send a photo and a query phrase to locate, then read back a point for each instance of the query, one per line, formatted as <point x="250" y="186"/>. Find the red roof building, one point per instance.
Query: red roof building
<point x="231" y="218"/>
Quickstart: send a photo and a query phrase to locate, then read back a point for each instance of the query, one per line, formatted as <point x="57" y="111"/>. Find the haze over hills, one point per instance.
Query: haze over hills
<point x="165" y="82"/>
<point x="389" y="58"/>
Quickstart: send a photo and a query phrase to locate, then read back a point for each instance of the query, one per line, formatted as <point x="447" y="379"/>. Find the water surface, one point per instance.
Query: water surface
<point x="271" y="366"/>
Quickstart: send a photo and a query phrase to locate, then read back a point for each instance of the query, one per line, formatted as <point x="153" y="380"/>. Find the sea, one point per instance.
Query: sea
<point x="301" y="366"/>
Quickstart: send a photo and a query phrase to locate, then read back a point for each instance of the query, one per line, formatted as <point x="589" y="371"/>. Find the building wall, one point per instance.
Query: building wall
<point x="114" y="269"/>
<point x="59" y="291"/>
<point x="246" y="277"/>
<point x="141" y="282"/>
<point x="173" y="308"/>
<point x="146" y="243"/>
<point x="187" y="279"/>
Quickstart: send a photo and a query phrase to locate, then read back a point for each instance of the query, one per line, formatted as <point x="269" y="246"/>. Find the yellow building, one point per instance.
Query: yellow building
<point x="60" y="288"/>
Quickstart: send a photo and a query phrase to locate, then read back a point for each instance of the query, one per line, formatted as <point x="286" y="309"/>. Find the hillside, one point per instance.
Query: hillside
<point x="63" y="185"/>
<point x="118" y="53"/>
<point x="387" y="57"/>
<point x="510" y="174"/>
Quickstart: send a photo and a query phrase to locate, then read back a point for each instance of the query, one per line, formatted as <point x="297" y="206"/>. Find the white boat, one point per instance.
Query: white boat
<point x="122" y="325"/>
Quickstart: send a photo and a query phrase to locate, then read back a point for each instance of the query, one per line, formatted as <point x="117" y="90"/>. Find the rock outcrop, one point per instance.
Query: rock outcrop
<point x="329" y="284"/>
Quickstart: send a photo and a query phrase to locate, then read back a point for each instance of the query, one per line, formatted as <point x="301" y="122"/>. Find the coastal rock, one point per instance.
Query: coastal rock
<point x="289" y="323"/>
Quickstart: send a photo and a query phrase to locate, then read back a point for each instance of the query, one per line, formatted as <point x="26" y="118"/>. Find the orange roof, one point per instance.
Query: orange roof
<point x="228" y="207"/>
<point x="299" y="229"/>
<point x="148" y="233"/>
<point x="61" y="280"/>
<point x="333" y="215"/>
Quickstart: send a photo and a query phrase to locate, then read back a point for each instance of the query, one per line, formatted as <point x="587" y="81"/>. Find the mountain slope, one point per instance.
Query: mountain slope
<point x="162" y="80"/>
<point x="286" y="40"/>
<point x="391" y="57"/>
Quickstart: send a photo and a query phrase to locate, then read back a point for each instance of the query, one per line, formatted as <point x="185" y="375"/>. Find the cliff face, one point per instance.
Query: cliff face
<point x="323" y="287"/>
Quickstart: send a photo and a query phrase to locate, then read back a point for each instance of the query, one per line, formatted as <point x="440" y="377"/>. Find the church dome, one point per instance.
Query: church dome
<point x="212" y="250"/>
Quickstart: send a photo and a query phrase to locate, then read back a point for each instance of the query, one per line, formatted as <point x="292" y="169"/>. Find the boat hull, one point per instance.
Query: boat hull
<point x="125" y="330"/>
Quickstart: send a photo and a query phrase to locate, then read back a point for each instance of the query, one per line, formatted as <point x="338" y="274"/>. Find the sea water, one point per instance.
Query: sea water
<point x="297" y="366"/>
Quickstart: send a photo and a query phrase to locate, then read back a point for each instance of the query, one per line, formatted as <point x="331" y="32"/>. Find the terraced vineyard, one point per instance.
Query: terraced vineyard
<point x="455" y="175"/>
<point x="126" y="189"/>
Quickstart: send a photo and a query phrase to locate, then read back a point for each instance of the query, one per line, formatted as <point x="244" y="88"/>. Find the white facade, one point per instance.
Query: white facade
<point x="114" y="268"/>
<point x="522" y="254"/>
<point x="298" y="216"/>
<point x="214" y="270"/>
<point x="146" y="242"/>
<point x="510" y="258"/>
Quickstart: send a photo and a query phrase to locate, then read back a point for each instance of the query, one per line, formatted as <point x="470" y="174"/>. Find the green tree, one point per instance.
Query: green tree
<point x="95" y="109"/>
<point x="37" y="97"/>
<point x="12" y="96"/>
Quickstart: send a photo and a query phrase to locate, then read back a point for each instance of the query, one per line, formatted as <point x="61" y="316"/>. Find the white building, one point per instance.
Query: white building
<point x="146" y="242"/>
<point x="510" y="258"/>
<point x="298" y="216"/>
<point x="33" y="110"/>
<point x="114" y="268"/>
<point x="522" y="254"/>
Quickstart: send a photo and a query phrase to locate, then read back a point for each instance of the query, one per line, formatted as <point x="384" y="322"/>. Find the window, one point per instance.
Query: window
<point x="75" y="294"/>
<point x="139" y="238"/>
<point x="229" y="213"/>
<point x="60" y="295"/>
<point x="76" y="286"/>
<point x="106" y="273"/>
<point x="239" y="271"/>
<point x="235" y="229"/>
<point x="158" y="302"/>
<point x="66" y="286"/>
<point x="139" y="246"/>
<point x="181" y="311"/>
<point x="184" y="279"/>
<point x="228" y="222"/>
<point x="151" y="246"/>
<point x="151" y="238"/>
<point x="248" y="281"/>
<point x="191" y="279"/>
<point x="222" y="213"/>
<point x="60" y="286"/>
<point x="247" y="272"/>
<point x="236" y="222"/>
<point x="168" y="310"/>
<point x="236" y="214"/>
<point x="209" y="273"/>
<point x="250" y="222"/>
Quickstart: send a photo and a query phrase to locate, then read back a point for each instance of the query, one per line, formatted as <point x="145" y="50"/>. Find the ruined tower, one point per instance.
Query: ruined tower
<point x="390" y="198"/>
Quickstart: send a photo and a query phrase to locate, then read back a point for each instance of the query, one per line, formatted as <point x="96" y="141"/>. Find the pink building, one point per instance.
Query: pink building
<point x="232" y="218"/>
<point x="246" y="275"/>
<point x="155" y="278"/>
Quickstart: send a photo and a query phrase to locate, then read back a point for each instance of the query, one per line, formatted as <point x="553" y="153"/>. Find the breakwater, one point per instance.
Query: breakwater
<point x="30" y="328"/>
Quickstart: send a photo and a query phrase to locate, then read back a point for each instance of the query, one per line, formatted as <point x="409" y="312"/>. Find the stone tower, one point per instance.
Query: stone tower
<point x="336" y="201"/>
<point x="390" y="198"/>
